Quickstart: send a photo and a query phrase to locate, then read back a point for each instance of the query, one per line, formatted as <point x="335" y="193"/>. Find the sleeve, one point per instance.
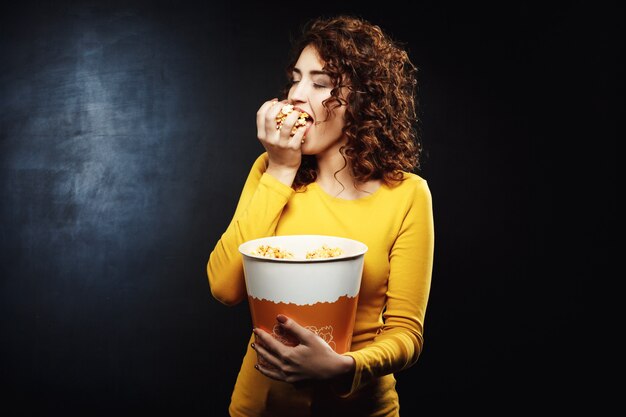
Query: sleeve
<point x="260" y="206"/>
<point x="399" y="344"/>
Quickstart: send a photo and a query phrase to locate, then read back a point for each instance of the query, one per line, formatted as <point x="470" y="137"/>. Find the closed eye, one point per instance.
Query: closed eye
<point x="315" y="85"/>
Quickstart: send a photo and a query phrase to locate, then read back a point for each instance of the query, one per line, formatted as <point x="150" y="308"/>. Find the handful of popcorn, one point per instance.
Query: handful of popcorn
<point x="285" y="111"/>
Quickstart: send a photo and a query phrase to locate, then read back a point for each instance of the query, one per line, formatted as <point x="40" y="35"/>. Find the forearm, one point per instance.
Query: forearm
<point x="258" y="219"/>
<point x="388" y="354"/>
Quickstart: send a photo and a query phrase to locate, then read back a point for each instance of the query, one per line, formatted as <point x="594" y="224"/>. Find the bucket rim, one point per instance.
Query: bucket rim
<point x="360" y="253"/>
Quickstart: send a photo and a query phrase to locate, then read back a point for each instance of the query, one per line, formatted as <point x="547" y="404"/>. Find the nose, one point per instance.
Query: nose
<point x="298" y="93"/>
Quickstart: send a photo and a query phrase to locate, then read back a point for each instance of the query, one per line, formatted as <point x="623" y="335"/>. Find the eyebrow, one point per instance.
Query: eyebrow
<point x="313" y="72"/>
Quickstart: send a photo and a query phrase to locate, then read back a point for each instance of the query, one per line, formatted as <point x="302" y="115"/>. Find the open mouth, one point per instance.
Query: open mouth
<point x="288" y="109"/>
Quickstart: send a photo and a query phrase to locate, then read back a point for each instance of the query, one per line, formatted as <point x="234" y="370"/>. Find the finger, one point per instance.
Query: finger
<point x="271" y="113"/>
<point x="260" y="116"/>
<point x="270" y="373"/>
<point x="268" y="342"/>
<point x="303" y="334"/>
<point x="298" y="139"/>
<point x="265" y="356"/>
<point x="286" y="129"/>
<point x="278" y="373"/>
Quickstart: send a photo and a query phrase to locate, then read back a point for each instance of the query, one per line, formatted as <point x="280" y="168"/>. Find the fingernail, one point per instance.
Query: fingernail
<point x="252" y="346"/>
<point x="256" y="367"/>
<point x="281" y="319"/>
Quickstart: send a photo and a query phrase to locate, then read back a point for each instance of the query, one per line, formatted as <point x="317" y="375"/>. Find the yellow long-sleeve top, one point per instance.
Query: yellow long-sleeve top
<point x="396" y="223"/>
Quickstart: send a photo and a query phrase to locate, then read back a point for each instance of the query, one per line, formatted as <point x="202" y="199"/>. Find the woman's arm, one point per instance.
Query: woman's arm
<point x="260" y="205"/>
<point x="400" y="342"/>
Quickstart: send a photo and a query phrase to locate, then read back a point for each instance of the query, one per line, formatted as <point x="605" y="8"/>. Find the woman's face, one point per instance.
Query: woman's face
<point x="310" y="87"/>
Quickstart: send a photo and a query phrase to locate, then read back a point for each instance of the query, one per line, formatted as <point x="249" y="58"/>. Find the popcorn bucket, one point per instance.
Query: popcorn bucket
<point x="320" y="294"/>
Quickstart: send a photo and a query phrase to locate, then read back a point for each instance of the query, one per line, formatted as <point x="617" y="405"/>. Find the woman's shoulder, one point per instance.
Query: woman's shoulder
<point x="411" y="188"/>
<point x="411" y="182"/>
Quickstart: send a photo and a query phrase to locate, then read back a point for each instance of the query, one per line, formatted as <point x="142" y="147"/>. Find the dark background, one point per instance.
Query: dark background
<point x="127" y="130"/>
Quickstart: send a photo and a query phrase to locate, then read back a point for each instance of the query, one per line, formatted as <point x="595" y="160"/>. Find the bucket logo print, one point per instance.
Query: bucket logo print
<point x="332" y="321"/>
<point x="325" y="332"/>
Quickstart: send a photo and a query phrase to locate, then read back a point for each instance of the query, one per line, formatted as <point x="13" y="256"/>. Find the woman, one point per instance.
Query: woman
<point x="349" y="172"/>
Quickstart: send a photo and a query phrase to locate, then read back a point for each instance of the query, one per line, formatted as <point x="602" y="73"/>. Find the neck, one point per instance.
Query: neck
<point x="333" y="169"/>
<point x="335" y="178"/>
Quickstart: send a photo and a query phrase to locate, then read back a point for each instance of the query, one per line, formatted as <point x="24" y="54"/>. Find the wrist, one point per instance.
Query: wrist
<point x="286" y="175"/>
<point x="348" y="365"/>
<point x="342" y="383"/>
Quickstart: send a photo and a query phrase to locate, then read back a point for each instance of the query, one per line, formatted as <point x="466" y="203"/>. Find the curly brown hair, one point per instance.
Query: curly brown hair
<point x="381" y="121"/>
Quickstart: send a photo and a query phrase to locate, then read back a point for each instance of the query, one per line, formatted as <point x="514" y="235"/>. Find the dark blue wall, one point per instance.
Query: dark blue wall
<point x="127" y="130"/>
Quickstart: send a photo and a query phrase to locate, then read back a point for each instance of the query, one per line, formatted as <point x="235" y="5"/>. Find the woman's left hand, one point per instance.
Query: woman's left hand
<point x="311" y="358"/>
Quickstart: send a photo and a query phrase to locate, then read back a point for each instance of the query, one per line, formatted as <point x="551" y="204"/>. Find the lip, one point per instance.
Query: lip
<point x="306" y="132"/>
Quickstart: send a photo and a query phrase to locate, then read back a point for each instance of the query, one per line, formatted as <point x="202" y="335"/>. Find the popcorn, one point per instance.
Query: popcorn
<point x="285" y="111"/>
<point x="274" y="252"/>
<point x="324" y="252"/>
<point x="268" y="251"/>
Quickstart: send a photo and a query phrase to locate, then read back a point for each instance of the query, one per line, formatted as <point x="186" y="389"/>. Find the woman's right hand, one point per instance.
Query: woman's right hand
<point x="282" y="148"/>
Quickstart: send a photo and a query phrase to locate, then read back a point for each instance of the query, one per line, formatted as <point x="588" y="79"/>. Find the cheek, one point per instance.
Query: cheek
<point x="338" y="119"/>
<point x="330" y="130"/>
